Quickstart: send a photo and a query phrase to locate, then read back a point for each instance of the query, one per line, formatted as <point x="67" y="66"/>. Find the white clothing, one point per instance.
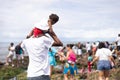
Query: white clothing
<point x="11" y="51"/>
<point x="75" y="49"/>
<point x="79" y="51"/>
<point x="37" y="49"/>
<point x="103" y="54"/>
<point x="97" y="43"/>
<point x="94" y="45"/>
<point x="118" y="40"/>
<point x="71" y="62"/>
<point x="88" y="46"/>
<point x="43" y="24"/>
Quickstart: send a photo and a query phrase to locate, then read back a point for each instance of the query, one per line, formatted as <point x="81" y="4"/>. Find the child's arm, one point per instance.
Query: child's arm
<point x="95" y="59"/>
<point x="57" y="42"/>
<point x="112" y="59"/>
<point x="59" y="53"/>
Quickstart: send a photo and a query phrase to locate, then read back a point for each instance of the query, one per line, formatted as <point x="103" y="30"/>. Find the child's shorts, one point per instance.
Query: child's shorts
<point x="104" y="65"/>
<point x="70" y="69"/>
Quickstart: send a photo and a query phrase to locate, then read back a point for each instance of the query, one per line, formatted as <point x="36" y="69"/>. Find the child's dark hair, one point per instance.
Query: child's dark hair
<point x="70" y="45"/>
<point x="54" y="18"/>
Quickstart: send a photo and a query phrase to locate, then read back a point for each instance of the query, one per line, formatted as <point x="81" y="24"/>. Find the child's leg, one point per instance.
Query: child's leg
<point x="7" y="61"/>
<point x="72" y="77"/>
<point x="89" y="67"/>
<point x="17" y="60"/>
<point x="22" y="57"/>
<point x="51" y="69"/>
<point x="12" y="60"/>
<point x="65" y="77"/>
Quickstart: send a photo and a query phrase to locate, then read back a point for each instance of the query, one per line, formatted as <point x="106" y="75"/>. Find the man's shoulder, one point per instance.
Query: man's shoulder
<point x="25" y="40"/>
<point x="118" y="39"/>
<point x="45" y="37"/>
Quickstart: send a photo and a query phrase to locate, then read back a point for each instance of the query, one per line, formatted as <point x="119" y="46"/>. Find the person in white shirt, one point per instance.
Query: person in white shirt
<point x="37" y="49"/>
<point x="104" y="57"/>
<point x="79" y="45"/>
<point x="118" y="46"/>
<point x="11" y="54"/>
<point x="88" y="46"/>
<point x="118" y="42"/>
<point x="75" y="48"/>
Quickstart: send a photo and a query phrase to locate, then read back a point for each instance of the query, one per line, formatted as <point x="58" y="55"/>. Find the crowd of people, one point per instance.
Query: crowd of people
<point x="104" y="53"/>
<point x="41" y="52"/>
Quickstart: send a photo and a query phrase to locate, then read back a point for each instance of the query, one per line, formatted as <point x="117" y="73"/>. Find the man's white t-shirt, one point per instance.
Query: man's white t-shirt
<point x="103" y="53"/>
<point x="37" y="49"/>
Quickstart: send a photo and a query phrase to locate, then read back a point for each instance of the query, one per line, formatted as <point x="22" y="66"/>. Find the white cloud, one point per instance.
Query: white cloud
<point x="89" y="19"/>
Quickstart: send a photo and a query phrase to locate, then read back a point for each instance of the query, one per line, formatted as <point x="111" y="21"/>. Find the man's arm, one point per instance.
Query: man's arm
<point x="57" y="42"/>
<point x="30" y="34"/>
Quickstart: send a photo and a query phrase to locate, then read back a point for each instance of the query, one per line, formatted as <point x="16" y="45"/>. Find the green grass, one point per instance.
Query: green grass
<point x="8" y="72"/>
<point x="114" y="75"/>
<point x="22" y="76"/>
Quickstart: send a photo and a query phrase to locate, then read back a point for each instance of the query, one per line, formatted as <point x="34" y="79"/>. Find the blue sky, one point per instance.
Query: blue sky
<point x="80" y="20"/>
